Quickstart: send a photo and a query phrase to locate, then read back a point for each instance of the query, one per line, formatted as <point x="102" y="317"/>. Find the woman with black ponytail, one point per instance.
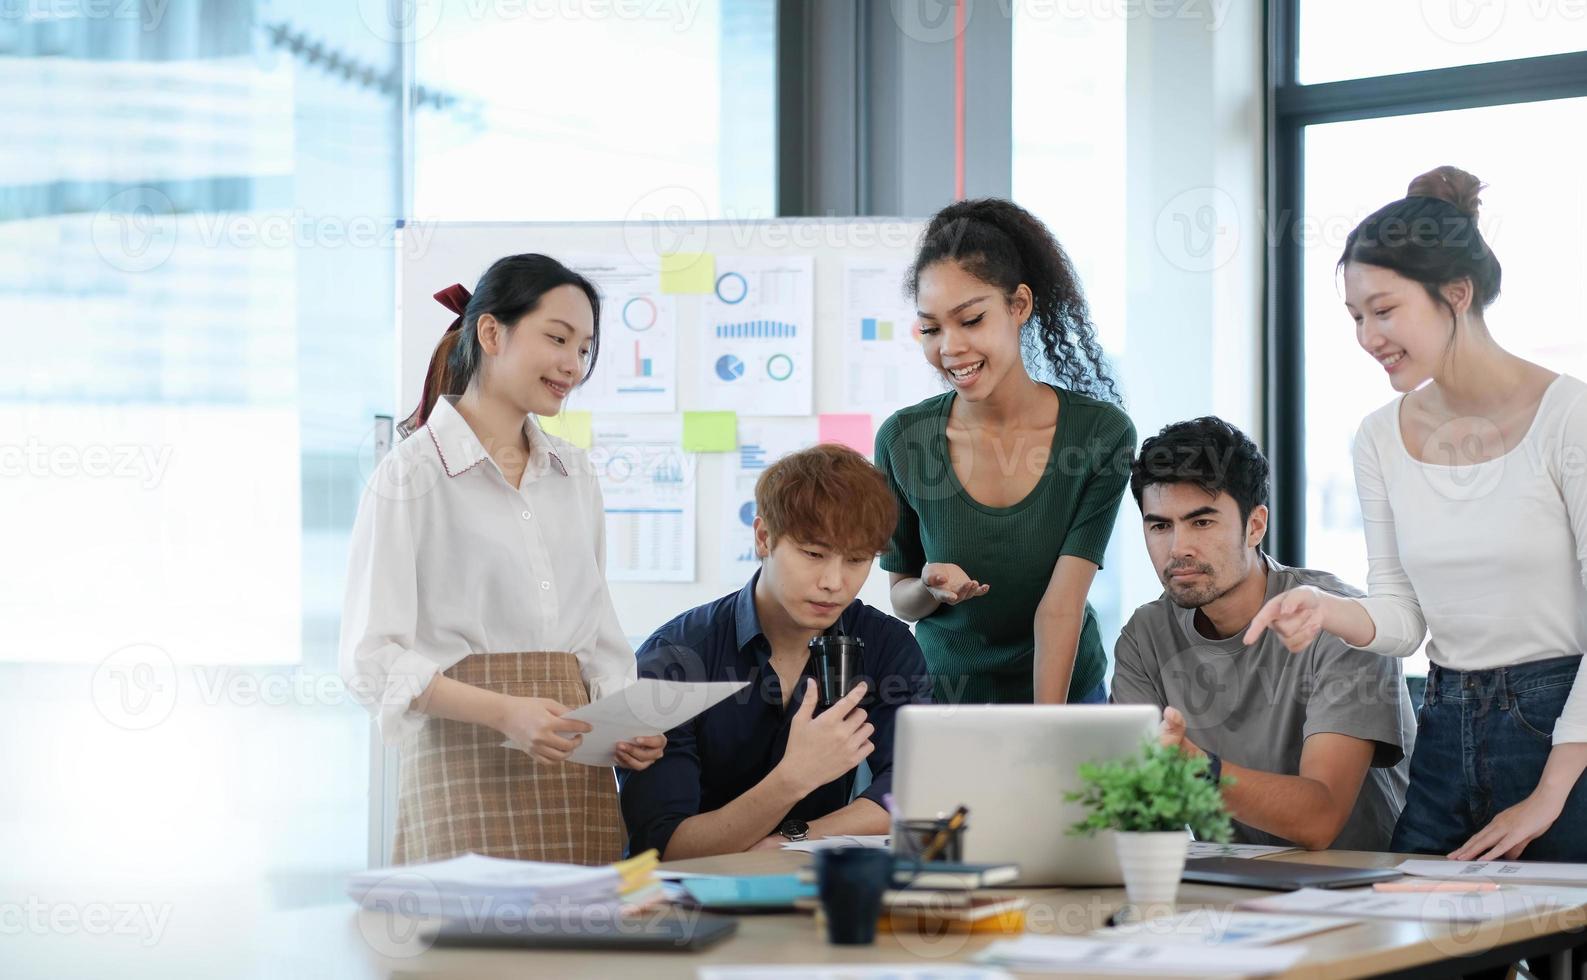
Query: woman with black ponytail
<point x="1007" y="486"/>
<point x="1473" y="487"/>
<point x="477" y="607"/>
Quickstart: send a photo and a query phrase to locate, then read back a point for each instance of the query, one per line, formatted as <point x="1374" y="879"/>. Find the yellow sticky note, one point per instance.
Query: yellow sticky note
<point x="688" y="272"/>
<point x="710" y="432"/>
<point x="575" y="427"/>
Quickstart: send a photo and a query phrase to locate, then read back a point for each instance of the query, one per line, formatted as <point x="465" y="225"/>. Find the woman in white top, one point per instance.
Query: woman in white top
<point x="1473" y="487"/>
<point x="477" y="610"/>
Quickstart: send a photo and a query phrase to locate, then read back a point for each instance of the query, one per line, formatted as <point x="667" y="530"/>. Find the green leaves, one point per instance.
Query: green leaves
<point x="1160" y="789"/>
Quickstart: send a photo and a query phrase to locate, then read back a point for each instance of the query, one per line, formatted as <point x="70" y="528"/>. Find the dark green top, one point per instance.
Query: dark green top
<point x="983" y="650"/>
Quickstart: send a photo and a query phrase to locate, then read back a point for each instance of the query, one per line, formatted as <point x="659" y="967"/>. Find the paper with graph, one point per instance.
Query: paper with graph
<point x="761" y="442"/>
<point x="756" y="327"/>
<point x="883" y="366"/>
<point x="648" y="483"/>
<point x="637" y="370"/>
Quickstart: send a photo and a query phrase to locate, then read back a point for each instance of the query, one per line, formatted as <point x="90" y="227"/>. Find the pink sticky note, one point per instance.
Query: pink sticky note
<point x="853" y="431"/>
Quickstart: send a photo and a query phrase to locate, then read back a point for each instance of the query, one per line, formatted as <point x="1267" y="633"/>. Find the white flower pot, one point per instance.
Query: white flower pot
<point x="1152" y="864"/>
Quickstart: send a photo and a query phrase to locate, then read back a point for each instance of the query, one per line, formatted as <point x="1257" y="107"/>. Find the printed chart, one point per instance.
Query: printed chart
<point x="883" y="366"/>
<point x="648" y="483"/>
<point x="637" y="370"/>
<point x="761" y="442"/>
<point x="756" y="345"/>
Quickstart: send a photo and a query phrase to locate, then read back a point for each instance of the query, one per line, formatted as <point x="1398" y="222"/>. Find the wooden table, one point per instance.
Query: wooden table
<point x="1370" y="948"/>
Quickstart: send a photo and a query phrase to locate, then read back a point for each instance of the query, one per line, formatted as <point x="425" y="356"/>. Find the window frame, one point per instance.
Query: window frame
<point x="1291" y="108"/>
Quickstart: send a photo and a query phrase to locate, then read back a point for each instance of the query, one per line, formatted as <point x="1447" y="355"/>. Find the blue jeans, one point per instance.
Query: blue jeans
<point x="1482" y="739"/>
<point x="1097" y="695"/>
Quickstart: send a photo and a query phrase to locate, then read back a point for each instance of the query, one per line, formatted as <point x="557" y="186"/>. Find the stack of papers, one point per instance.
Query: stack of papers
<point x="1216" y="927"/>
<point x="841" y="840"/>
<point x="473" y="885"/>
<point x="1092" y="957"/>
<point x="1541" y="871"/>
<point x="1364" y="903"/>
<point x="1213" y="849"/>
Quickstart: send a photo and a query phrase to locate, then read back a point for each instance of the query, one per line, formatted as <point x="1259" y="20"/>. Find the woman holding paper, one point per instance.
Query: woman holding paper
<point x="477" y="610"/>
<point x="1474" y="500"/>
<point x="1007" y="486"/>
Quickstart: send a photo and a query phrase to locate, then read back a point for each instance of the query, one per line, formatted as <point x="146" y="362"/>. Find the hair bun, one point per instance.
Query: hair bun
<point x="1450" y="184"/>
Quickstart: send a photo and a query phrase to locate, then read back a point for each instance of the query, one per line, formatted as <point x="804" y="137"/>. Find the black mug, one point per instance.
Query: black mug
<point x="851" y="881"/>
<point x="838" y="662"/>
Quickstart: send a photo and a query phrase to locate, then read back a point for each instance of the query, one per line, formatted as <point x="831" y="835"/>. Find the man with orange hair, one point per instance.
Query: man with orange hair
<point x="765" y="767"/>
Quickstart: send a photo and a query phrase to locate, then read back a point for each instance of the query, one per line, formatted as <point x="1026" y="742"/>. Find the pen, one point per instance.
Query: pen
<point x="940" y="839"/>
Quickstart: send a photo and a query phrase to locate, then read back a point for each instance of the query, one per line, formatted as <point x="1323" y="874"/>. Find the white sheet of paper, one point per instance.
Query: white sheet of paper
<point x="1499" y="871"/>
<point x="1220" y="927"/>
<point x="1364" y="903"/>
<point x="900" y="971"/>
<point x="647" y="707"/>
<point x="1213" y="849"/>
<point x="1095" y="957"/>
<point x="841" y="840"/>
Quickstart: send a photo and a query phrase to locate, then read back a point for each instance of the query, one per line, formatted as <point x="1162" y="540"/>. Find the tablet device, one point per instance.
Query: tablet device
<point x="653" y="931"/>
<point x="1279" y="876"/>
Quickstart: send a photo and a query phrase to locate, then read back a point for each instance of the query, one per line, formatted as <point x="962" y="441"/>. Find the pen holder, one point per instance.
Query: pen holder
<point x="912" y="838"/>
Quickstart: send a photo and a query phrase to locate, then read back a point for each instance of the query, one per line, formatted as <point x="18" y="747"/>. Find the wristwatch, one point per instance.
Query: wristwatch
<point x="1214" y="773"/>
<point x="794" y="829"/>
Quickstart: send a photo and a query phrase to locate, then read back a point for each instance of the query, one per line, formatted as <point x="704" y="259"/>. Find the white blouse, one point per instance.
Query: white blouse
<point x="449" y="559"/>
<point x="1488" y="557"/>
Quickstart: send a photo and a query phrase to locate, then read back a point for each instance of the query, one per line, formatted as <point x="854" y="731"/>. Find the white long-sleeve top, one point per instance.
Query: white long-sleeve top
<point x="449" y="559"/>
<point x="1490" y="558"/>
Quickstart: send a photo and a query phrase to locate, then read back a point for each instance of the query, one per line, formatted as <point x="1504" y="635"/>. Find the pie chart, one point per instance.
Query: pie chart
<point x="729" y="368"/>
<point x="746" y="514"/>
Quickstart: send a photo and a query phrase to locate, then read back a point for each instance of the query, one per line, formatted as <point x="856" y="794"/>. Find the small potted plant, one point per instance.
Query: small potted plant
<point x="1150" y="802"/>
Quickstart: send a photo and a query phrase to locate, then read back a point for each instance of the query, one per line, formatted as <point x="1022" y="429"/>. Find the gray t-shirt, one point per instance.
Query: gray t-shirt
<point x="1256" y="706"/>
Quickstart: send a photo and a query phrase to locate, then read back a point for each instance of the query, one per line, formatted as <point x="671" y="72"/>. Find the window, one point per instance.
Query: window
<point x="1342" y="154"/>
<point x="1363" y="38"/>
<point x="1078" y="63"/>
<point x="541" y="118"/>
<point x="185" y="421"/>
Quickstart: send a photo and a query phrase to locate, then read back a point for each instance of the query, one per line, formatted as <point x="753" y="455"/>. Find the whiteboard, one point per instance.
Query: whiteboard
<point x="433" y="255"/>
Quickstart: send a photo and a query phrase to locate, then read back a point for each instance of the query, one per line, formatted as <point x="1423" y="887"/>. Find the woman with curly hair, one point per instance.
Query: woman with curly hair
<point x="1007" y="485"/>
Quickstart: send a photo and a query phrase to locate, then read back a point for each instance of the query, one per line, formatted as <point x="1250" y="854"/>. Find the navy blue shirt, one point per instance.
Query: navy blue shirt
<point x="723" y="752"/>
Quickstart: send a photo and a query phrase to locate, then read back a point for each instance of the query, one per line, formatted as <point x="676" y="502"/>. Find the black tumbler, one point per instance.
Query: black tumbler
<point x="851" y="881"/>
<point x="838" y="662"/>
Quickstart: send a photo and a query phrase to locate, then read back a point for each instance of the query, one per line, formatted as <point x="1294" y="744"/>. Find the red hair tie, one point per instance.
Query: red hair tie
<point x="454" y="298"/>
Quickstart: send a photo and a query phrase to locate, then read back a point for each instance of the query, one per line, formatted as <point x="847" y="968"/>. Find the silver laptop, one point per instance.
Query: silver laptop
<point x="1011" y="765"/>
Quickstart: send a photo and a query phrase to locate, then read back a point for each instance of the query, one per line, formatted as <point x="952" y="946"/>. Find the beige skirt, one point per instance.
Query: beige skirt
<point x="461" y="790"/>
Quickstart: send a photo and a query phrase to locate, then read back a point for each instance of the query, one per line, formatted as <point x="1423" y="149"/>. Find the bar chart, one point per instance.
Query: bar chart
<point x="756" y="330"/>
<point x="873" y="329"/>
